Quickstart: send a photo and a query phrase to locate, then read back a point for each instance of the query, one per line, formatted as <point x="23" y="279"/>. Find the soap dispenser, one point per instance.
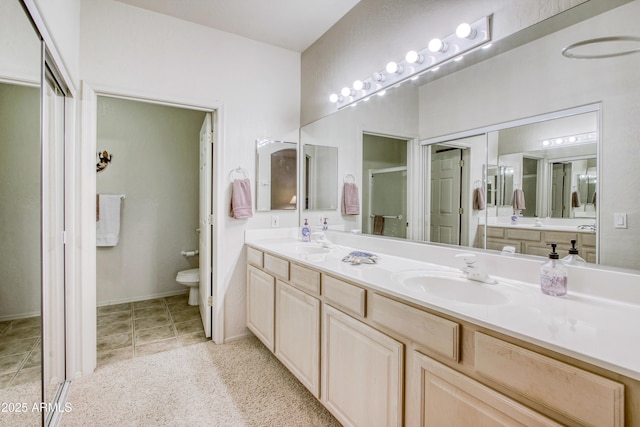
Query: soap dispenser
<point x="306" y="232"/>
<point x="573" y="258"/>
<point x="553" y="275"/>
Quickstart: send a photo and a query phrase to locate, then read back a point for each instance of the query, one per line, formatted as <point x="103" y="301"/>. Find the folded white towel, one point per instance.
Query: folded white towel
<point x="108" y="226"/>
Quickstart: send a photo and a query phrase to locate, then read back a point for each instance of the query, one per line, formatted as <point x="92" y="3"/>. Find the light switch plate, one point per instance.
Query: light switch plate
<point x="620" y="220"/>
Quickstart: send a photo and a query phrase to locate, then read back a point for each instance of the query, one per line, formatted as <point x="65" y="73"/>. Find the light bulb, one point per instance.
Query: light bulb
<point x="360" y="85"/>
<point x="573" y="139"/>
<point x="334" y="98"/>
<point x="414" y="57"/>
<point x="394" y="68"/>
<point x="559" y="141"/>
<point x="378" y="76"/>
<point x="346" y="91"/>
<point x="545" y="142"/>
<point x="437" y="45"/>
<point x="464" y="31"/>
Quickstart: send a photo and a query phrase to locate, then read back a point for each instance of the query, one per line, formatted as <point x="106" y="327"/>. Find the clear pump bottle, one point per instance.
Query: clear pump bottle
<point x="553" y="275"/>
<point x="573" y="258"/>
<point x="306" y="232"/>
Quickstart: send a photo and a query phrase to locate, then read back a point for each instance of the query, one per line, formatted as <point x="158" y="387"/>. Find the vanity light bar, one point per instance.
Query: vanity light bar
<point x="583" y="138"/>
<point x="469" y="36"/>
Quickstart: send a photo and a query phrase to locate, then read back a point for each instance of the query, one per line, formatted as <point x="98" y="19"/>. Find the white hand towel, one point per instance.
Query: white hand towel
<point x="108" y="226"/>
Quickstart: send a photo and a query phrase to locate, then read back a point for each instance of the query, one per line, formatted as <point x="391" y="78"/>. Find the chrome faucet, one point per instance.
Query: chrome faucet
<point x="472" y="271"/>
<point x="321" y="238"/>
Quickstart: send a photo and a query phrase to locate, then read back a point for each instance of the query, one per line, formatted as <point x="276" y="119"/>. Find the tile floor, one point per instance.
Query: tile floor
<point x="146" y="327"/>
<point x="19" y="351"/>
<point x="124" y="331"/>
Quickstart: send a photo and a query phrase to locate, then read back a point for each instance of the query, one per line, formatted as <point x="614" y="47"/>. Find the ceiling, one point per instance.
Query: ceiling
<point x="290" y="24"/>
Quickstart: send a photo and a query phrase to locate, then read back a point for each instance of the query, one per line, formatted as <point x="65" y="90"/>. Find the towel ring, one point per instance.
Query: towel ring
<point x="238" y="170"/>
<point x="348" y="177"/>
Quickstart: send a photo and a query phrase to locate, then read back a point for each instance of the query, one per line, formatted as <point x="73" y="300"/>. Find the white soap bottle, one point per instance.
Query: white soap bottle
<point x="553" y="275"/>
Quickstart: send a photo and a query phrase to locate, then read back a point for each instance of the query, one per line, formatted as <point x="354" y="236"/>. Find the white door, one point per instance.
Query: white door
<point x="445" y="195"/>
<point x="205" y="221"/>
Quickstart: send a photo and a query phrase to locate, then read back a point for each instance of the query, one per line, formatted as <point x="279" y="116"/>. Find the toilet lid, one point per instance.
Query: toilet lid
<point x="192" y="275"/>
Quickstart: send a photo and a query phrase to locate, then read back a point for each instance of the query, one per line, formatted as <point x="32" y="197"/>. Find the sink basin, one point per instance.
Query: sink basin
<point x="311" y="250"/>
<point x="452" y="286"/>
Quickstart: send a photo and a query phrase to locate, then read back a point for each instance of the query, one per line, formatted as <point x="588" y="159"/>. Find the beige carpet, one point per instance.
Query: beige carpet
<point x="235" y="384"/>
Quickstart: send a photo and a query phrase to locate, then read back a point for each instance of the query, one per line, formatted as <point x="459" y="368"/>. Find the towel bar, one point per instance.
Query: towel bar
<point x="387" y="216"/>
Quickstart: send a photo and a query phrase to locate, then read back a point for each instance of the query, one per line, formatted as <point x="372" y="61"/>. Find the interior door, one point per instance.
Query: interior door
<point x="206" y="221"/>
<point x="445" y="195"/>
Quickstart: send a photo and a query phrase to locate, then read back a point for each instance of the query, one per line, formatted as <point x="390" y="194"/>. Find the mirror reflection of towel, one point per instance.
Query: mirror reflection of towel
<point x="108" y="226"/>
<point x="518" y="199"/>
<point x="575" y="200"/>
<point x="378" y="225"/>
<point x="479" y="199"/>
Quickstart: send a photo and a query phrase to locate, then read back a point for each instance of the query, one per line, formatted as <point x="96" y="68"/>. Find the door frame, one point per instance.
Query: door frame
<point x="87" y="327"/>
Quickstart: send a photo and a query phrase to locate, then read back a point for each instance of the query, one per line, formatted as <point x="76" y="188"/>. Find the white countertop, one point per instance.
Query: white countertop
<point x="600" y="331"/>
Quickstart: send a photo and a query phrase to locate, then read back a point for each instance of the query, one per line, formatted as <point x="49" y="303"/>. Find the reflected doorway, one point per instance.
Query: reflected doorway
<point x="446" y="194"/>
<point x="384" y="198"/>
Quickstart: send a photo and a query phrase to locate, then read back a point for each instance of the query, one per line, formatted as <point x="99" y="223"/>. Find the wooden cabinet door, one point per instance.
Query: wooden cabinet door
<point x="439" y="396"/>
<point x="361" y="372"/>
<point x="298" y="334"/>
<point x="261" y="305"/>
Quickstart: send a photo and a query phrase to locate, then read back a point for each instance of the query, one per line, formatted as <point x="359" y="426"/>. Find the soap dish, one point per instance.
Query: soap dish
<point x="359" y="257"/>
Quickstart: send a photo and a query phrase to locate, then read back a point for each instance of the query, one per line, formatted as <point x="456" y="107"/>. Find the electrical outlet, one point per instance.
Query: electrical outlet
<point x="275" y="221"/>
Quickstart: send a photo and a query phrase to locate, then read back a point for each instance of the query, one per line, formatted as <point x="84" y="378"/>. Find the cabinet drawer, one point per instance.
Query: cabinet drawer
<point x="577" y="394"/>
<point x="588" y="239"/>
<point x="430" y="332"/>
<point x="304" y="278"/>
<point x="564" y="237"/>
<point x="343" y="295"/>
<point x="277" y="266"/>
<point x="522" y="234"/>
<point x="255" y="257"/>
<point x="497" y="232"/>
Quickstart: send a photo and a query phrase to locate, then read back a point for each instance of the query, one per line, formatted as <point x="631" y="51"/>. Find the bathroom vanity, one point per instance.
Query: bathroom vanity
<point x="532" y="240"/>
<point x="376" y="350"/>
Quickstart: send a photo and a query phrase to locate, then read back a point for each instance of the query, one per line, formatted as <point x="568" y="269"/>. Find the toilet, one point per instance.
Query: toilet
<point x="190" y="278"/>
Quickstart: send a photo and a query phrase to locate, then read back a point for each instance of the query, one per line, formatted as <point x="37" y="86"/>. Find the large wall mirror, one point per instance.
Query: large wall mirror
<point x="276" y="175"/>
<point x="528" y="121"/>
<point x="32" y="253"/>
<point x="320" y="177"/>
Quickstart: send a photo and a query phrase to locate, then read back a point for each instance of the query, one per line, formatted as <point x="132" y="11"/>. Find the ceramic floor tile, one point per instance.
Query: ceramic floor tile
<point x="8" y="348"/>
<point x="5" y="379"/>
<point x="28" y="322"/>
<point x="189" y="327"/>
<point x="152" y="322"/>
<point x="27" y="376"/>
<point x="157" y="347"/>
<point x="185" y="315"/>
<point x="115" y="308"/>
<point x="158" y="302"/>
<point x="11" y="363"/>
<point x="34" y="359"/>
<point x="114" y="328"/>
<point x="4" y="325"/>
<point x="145" y="336"/>
<point x="175" y="299"/>
<point x="114" y="317"/>
<point x="181" y="306"/>
<point x="141" y="313"/>
<point x="114" y="341"/>
<point x="21" y="333"/>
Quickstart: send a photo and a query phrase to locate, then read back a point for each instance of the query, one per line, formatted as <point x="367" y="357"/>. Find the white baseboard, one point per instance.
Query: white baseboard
<point x="142" y="298"/>
<point x="238" y="337"/>
<point x="19" y="316"/>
